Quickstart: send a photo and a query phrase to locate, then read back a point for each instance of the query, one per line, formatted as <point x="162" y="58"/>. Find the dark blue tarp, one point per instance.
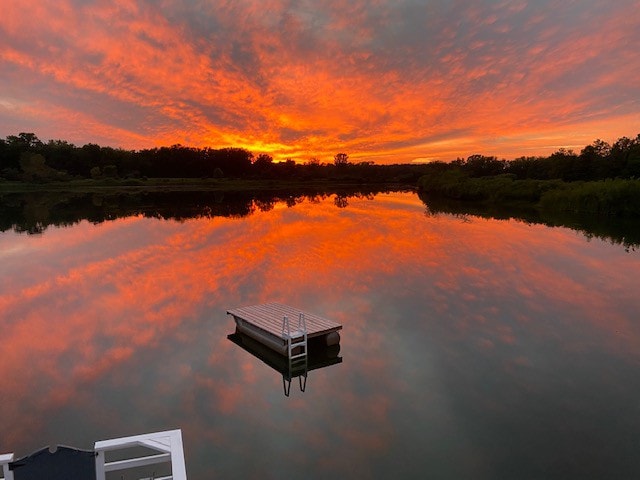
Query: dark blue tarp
<point x="64" y="463"/>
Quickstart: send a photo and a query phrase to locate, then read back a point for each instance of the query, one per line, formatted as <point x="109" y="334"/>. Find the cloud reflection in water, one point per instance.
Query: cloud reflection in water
<point x="472" y="348"/>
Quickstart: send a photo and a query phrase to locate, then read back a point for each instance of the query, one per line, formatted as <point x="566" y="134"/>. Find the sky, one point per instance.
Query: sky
<point x="388" y="81"/>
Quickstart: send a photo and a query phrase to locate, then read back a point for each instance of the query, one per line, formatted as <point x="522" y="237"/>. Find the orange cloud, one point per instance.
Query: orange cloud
<point x="392" y="82"/>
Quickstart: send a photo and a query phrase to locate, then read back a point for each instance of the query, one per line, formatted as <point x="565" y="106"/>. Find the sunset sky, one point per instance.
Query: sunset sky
<point x="382" y="80"/>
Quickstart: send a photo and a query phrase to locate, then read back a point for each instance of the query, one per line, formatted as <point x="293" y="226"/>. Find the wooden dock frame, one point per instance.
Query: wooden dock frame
<point x="266" y="324"/>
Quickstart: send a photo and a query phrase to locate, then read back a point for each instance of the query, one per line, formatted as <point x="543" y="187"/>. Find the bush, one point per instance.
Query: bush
<point x="607" y="197"/>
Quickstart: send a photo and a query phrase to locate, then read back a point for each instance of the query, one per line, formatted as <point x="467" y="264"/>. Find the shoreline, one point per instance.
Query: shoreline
<point x="194" y="185"/>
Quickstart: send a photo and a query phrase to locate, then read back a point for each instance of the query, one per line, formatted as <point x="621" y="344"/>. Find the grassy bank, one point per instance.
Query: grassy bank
<point x="114" y="185"/>
<point x="606" y="197"/>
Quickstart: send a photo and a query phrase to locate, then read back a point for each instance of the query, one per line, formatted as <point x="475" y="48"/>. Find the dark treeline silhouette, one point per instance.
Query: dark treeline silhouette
<point x="597" y="161"/>
<point x="26" y="158"/>
<point x="34" y="212"/>
<point x="602" y="180"/>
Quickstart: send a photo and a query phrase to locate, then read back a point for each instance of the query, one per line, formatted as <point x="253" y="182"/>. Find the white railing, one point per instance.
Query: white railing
<point x="5" y="459"/>
<point x="168" y="446"/>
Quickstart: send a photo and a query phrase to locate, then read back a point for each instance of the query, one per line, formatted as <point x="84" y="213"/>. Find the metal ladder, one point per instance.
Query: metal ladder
<point x="298" y="365"/>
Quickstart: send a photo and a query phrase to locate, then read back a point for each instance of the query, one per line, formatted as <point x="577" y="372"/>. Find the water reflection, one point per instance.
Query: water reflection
<point x="319" y="357"/>
<point x="623" y="231"/>
<point x="481" y="348"/>
<point x="34" y="212"/>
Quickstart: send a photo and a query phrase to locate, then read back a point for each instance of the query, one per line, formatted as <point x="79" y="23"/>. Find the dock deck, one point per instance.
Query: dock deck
<point x="265" y="324"/>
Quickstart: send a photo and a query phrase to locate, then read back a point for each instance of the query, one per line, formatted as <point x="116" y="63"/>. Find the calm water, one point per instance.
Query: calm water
<point x="471" y="348"/>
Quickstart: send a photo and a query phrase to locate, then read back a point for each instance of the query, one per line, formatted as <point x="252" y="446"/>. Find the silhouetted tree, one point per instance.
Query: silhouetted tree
<point x="287" y="168"/>
<point x="626" y="153"/>
<point x="594" y="161"/>
<point x="3" y="154"/>
<point x="64" y="156"/>
<point x="14" y="146"/>
<point x="563" y="164"/>
<point x="340" y="159"/>
<point x="233" y="161"/>
<point x="27" y="141"/>
<point x="482" y="166"/>
<point x="263" y="163"/>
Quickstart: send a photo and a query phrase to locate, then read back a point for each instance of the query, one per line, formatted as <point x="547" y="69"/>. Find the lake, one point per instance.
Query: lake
<point x="471" y="347"/>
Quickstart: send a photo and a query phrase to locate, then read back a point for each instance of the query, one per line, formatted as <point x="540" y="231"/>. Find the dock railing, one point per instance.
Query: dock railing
<point x="168" y="444"/>
<point x="5" y="459"/>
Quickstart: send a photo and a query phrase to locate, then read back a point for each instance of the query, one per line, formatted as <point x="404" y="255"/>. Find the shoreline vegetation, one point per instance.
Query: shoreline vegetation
<point x="618" y="197"/>
<point x="602" y="179"/>
<point x="114" y="186"/>
<point x="27" y="163"/>
<point x="595" y="192"/>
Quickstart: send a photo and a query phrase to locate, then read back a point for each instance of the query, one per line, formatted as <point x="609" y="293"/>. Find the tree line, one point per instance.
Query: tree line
<point x="24" y="157"/>
<point x="602" y="179"/>
<point x="597" y="161"/>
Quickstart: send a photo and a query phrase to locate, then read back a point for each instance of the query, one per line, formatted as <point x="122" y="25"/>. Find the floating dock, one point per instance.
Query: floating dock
<point x="285" y="329"/>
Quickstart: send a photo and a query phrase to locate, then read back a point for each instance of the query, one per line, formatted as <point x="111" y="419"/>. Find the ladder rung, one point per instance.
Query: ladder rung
<point x="294" y="339"/>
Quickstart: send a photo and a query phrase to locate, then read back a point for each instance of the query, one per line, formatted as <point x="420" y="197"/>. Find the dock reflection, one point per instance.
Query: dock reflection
<point x="319" y="356"/>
